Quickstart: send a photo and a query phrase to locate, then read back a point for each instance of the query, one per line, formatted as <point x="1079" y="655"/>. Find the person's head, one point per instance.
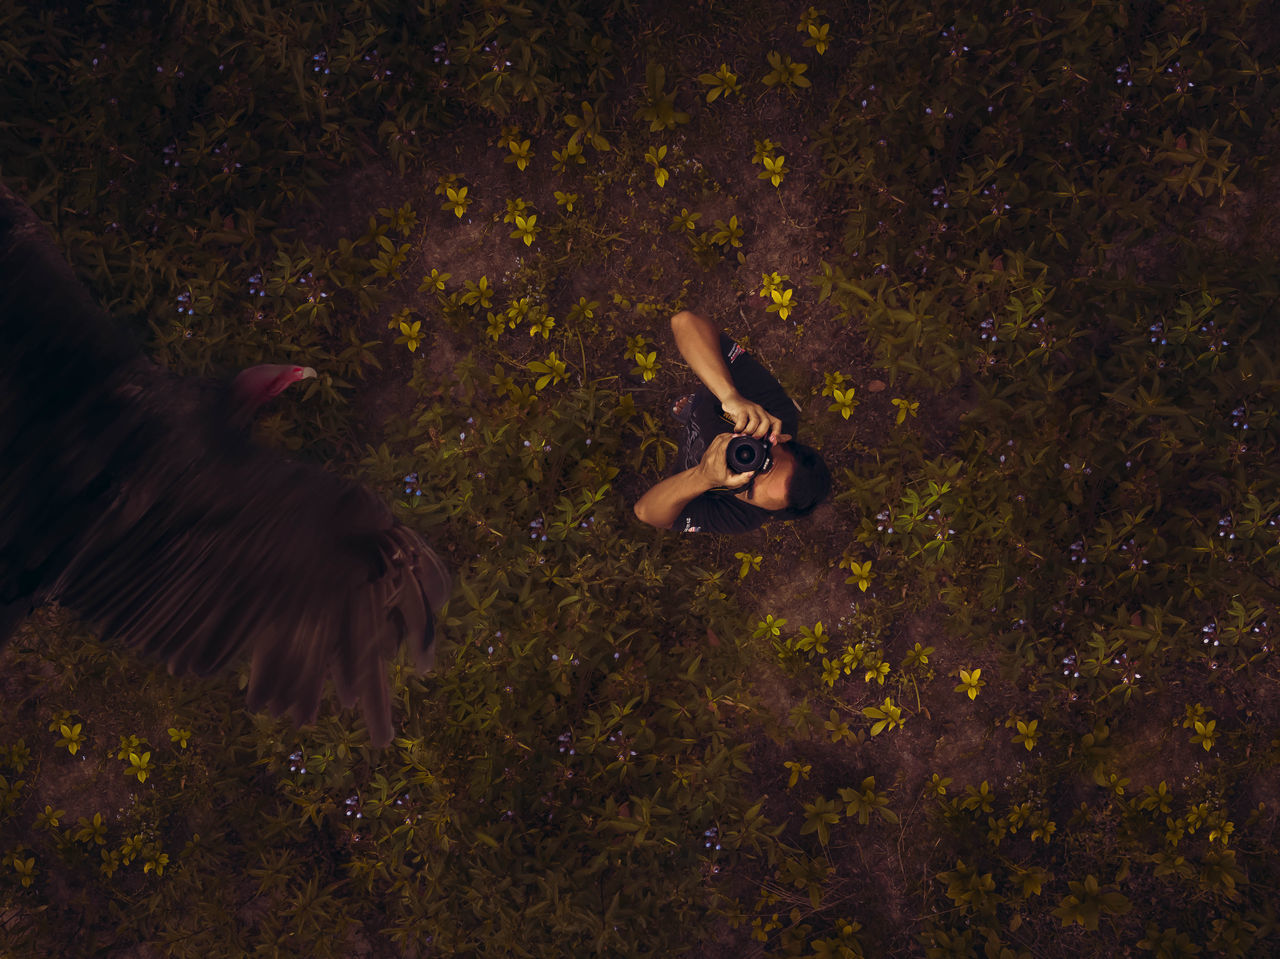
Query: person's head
<point x="810" y="481"/>
<point x="798" y="481"/>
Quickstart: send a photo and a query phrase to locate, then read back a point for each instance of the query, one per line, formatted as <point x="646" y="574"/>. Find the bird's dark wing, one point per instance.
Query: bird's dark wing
<point x="63" y="433"/>
<point x="124" y="497"/>
<point x="308" y="572"/>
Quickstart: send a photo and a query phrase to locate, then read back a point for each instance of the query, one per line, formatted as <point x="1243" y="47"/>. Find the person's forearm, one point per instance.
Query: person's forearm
<point x="662" y="505"/>
<point x="699" y="343"/>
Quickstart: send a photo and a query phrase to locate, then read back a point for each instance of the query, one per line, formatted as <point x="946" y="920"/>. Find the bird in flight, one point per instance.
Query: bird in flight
<point x="138" y="499"/>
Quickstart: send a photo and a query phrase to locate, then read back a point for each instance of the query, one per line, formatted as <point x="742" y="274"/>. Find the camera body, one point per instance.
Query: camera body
<point x="746" y="454"/>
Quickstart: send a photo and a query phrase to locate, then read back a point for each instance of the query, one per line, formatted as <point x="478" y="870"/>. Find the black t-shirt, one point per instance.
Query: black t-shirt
<point x="723" y="512"/>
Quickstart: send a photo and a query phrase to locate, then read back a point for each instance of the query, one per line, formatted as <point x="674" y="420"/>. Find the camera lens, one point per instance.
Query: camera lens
<point x="746" y="454"/>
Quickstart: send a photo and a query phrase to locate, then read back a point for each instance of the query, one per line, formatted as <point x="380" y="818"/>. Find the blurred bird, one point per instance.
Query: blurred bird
<point x="137" y="499"/>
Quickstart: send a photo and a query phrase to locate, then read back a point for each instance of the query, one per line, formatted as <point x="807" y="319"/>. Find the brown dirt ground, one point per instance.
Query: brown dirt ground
<point x="788" y="231"/>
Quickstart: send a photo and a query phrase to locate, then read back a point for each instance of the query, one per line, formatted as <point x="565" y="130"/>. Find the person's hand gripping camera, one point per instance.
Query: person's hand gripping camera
<point x="733" y="460"/>
<point x="751" y="419"/>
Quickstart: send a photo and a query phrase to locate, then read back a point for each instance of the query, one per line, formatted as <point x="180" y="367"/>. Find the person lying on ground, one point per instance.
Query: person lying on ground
<point x="711" y="491"/>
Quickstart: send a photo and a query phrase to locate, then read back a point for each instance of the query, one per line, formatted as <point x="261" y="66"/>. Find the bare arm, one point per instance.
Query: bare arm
<point x="662" y="505"/>
<point x="699" y="343"/>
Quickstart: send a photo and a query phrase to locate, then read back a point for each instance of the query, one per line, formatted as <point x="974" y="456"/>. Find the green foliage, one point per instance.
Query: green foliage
<point x="773" y="288"/>
<point x="798" y="772"/>
<point x="140" y="766"/>
<point x="905" y="408"/>
<point x="92" y="830"/>
<point x="750" y="562"/>
<point x="456" y="196"/>
<point x="818" y="33"/>
<point x="1087" y="522"/>
<point x="843" y="402"/>
<point x="660" y="109"/>
<point x="1088" y="902"/>
<point x="724" y="82"/>
<point x="1072" y="479"/>
<point x="654" y="157"/>
<point x="769" y="627"/>
<point x="785" y="72"/>
<point x="774" y="163"/>
<point x="586" y="126"/>
<point x="551" y="370"/>
<point x="726" y="235"/>
<point x="520" y="151"/>
<point x="411" y="334"/>
<point x="685" y="221"/>
<point x="970" y="682"/>
<point x="819" y="816"/>
<point x="526" y="228"/>
<point x="887" y="716"/>
<point x="1027" y="733"/>
<point x="72" y="738"/>
<point x="647" y="365"/>
<point x="571" y="154"/>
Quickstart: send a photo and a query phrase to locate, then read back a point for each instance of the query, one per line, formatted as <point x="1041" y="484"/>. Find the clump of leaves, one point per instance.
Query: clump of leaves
<point x="455" y="193"/>
<point x="774" y="163"/>
<point x="859" y="573"/>
<point x="727" y="235"/>
<point x="817" y="33"/>
<point x="654" y="157"/>
<point x="434" y="282"/>
<point x="866" y="801"/>
<point x="586" y="126"/>
<point x="71" y="734"/>
<point x="570" y="155"/>
<point x="411" y="334"/>
<point x="550" y="371"/>
<point x="785" y="72"/>
<point x="1028" y="732"/>
<point x="773" y="287"/>
<point x="886" y="716"/>
<point x="843" y="401"/>
<point x="685" y="221"/>
<point x="905" y="408"/>
<point x="139" y="765"/>
<point x="647" y="365"/>
<point x="24" y="866"/>
<point x="583" y="311"/>
<point x="1089" y="901"/>
<point x="724" y="82"/>
<point x="970" y="682"/>
<point x="659" y="108"/>
<point x="526" y="228"/>
<point x="798" y="771"/>
<point x="519" y="150"/>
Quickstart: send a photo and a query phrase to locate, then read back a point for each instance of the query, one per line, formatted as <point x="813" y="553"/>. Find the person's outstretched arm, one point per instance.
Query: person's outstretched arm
<point x="662" y="505"/>
<point x="699" y="343"/>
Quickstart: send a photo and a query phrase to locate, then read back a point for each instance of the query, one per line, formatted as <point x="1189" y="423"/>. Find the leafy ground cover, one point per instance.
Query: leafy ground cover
<point x="1012" y="693"/>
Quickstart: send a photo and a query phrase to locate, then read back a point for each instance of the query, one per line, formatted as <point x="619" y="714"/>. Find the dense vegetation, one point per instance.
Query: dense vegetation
<point x="1013" y="693"/>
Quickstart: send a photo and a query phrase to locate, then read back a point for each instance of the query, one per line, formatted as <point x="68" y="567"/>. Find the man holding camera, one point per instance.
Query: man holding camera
<point x="727" y="484"/>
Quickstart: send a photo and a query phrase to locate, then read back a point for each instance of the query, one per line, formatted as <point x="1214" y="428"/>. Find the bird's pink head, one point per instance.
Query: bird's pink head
<point x="258" y="384"/>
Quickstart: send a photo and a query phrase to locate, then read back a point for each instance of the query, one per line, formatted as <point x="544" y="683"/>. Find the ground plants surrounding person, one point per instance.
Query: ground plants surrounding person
<point x="1012" y="694"/>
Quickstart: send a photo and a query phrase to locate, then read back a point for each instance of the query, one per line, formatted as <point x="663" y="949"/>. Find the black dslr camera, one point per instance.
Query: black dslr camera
<point x="746" y="454"/>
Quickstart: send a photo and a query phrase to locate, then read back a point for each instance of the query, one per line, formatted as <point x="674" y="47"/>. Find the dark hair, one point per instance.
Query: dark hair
<point x="810" y="483"/>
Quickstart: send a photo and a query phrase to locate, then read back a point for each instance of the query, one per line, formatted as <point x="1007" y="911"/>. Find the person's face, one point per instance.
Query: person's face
<point x="769" y="490"/>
